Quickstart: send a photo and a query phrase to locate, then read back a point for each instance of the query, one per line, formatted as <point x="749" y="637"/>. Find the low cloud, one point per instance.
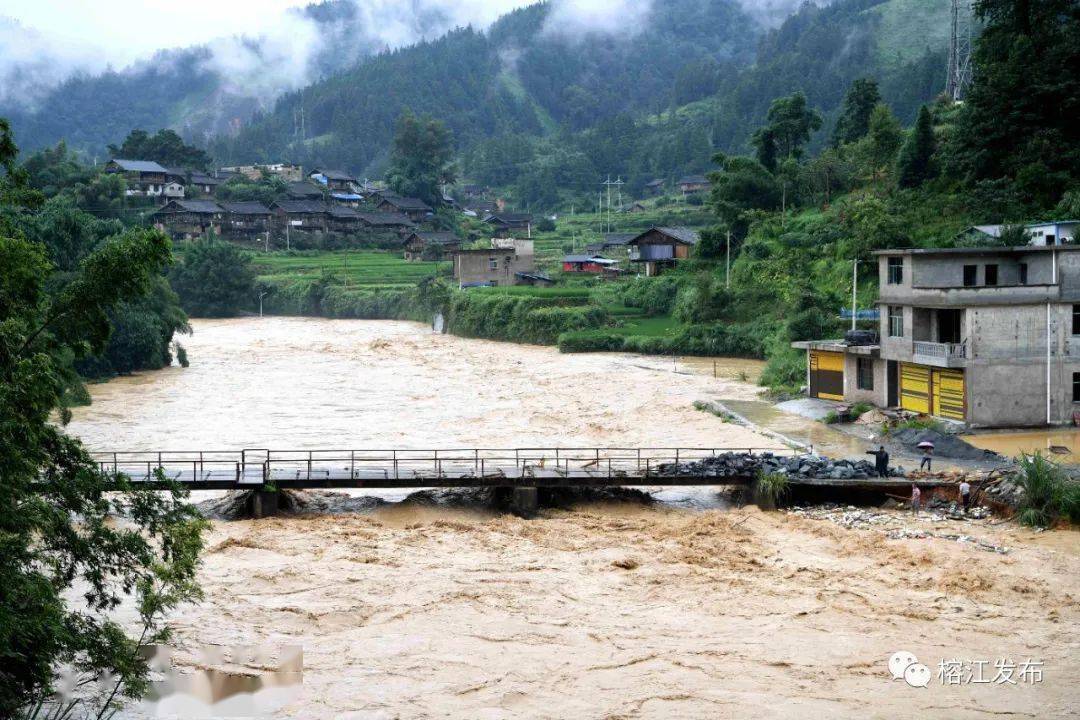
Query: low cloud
<point x="576" y="19"/>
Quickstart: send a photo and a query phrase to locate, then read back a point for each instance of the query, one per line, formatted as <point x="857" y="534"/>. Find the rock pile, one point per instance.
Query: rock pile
<point x="803" y="466"/>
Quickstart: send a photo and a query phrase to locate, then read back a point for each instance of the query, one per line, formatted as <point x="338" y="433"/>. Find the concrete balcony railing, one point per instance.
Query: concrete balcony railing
<point x="939" y="354"/>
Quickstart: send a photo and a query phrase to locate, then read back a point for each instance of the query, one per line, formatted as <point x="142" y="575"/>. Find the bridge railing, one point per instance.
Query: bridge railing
<point x="257" y="466"/>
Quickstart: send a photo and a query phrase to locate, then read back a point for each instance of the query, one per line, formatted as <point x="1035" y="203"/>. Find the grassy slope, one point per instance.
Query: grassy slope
<point x="363" y="268"/>
<point x="910" y="27"/>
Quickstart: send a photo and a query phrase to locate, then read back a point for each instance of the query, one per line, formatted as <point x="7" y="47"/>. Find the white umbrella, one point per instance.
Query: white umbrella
<point x="926" y="444"/>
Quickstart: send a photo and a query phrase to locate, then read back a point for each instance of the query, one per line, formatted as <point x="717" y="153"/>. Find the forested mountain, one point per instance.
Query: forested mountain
<point x="530" y="103"/>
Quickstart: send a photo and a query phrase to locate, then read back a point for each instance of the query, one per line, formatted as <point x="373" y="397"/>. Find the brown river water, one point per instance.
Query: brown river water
<point x="682" y="609"/>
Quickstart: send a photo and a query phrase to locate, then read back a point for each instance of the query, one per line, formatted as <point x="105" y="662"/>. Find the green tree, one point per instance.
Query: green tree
<point x="916" y="162"/>
<point x="64" y="565"/>
<point x="788" y="127"/>
<point x="165" y="147"/>
<point x="878" y="149"/>
<point x="859" y="102"/>
<point x="214" y="279"/>
<point x="740" y="186"/>
<point x="1019" y="119"/>
<point x="421" y="160"/>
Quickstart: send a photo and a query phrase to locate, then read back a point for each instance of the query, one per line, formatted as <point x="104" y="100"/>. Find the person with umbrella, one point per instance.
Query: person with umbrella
<point x="927" y="448"/>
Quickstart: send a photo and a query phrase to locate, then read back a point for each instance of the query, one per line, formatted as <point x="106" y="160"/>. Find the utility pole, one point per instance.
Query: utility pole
<point x="345" y="260"/>
<point x="854" y="287"/>
<point x="288" y="242"/>
<point x="261" y="296"/>
<point x="618" y="185"/>
<point x="266" y="242"/>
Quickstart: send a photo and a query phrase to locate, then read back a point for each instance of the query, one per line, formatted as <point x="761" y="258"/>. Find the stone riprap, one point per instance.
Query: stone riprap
<point x="802" y="466"/>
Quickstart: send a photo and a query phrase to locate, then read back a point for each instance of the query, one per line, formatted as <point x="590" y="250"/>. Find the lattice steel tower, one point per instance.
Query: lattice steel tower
<point x="959" y="78"/>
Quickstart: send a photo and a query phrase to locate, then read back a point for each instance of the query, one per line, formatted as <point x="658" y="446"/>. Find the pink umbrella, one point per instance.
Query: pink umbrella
<point x="926" y="444"/>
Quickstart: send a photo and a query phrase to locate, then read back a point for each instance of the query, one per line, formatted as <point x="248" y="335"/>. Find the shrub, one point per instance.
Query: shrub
<point x="182" y="356"/>
<point x="1049" y="494"/>
<point x="831" y="418"/>
<point x="774" y="486"/>
<point x="590" y="341"/>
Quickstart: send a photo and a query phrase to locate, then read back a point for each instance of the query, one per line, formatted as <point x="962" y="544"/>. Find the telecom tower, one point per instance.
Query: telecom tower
<point x="959" y="78"/>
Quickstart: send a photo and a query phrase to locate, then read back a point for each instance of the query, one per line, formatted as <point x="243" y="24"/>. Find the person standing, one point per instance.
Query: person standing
<point x="916" y="497"/>
<point x="927" y="457"/>
<point x="965" y="494"/>
<point x="881" y="461"/>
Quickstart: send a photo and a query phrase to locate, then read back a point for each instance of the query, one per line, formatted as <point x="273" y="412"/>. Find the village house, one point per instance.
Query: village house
<point x="589" y="263"/>
<point x="636" y="208"/>
<point x="417" y="242"/>
<point x="507" y="262"/>
<point x="480" y="208"/>
<point x="303" y="191"/>
<point x="510" y="224"/>
<point x="654" y="188"/>
<point x="143" y="177"/>
<point x="335" y="180"/>
<point x="203" y="184"/>
<point x="302" y="215"/>
<point x="986" y="336"/>
<point x="394" y="222"/>
<point x="342" y="219"/>
<point x="246" y="219"/>
<point x="414" y="208"/>
<point x="188" y="219"/>
<point x="1053" y="232"/>
<point x="693" y="184"/>
<point x="661" y="247"/>
<point x="347" y="199"/>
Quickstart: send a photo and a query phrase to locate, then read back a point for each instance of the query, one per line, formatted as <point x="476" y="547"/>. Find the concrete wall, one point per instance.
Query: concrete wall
<point x="852" y="393"/>
<point x="475" y="266"/>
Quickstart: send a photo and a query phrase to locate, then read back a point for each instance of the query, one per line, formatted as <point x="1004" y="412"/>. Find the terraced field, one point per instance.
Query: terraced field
<point x="363" y="268"/>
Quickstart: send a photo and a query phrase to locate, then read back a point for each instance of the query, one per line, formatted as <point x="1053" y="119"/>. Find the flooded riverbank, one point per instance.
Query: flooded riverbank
<point x="599" y="611"/>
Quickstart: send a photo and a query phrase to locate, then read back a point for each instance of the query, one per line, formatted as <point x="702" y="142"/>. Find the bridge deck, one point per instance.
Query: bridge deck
<point x="534" y="467"/>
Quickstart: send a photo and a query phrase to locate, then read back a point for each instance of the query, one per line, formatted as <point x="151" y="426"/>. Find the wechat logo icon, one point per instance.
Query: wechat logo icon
<point x="904" y="665"/>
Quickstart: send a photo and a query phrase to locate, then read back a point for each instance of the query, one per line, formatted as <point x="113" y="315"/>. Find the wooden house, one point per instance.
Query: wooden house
<point x="187" y="219"/>
<point x="303" y="215"/>
<point x="413" y="208"/>
<point x="661" y="247"/>
<point x="510" y="224"/>
<point x="303" y="191"/>
<point x="417" y="242"/>
<point x="693" y="184"/>
<point x="342" y="219"/>
<point x="144" y="177"/>
<point x="334" y="179"/>
<point x="203" y="184"/>
<point x="246" y="219"/>
<point x="392" y="222"/>
<point x="654" y="188"/>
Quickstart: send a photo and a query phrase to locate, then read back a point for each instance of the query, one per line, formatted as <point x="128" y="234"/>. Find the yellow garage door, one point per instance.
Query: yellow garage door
<point x="948" y="394"/>
<point x="915" y="388"/>
<point x="827" y="375"/>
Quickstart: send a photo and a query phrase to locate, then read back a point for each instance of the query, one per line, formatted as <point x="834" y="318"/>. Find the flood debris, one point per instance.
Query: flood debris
<point x="804" y="466"/>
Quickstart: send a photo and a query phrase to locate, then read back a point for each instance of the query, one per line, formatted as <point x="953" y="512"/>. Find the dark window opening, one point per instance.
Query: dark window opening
<point x="1023" y="273"/>
<point x="1076" y="387"/>
<point x="991" y="274"/>
<point x="864" y="373"/>
<point x="1076" y="320"/>
<point x="896" y="271"/>
<point x="970" y="275"/>
<point x="1051" y="240"/>
<point x="948" y="326"/>
<point x="896" y="321"/>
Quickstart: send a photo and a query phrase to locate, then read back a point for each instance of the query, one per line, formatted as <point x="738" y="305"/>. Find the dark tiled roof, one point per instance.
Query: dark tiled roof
<point x="406" y="203"/>
<point x="385" y="219"/>
<point x="300" y="206"/>
<point x="437" y="238"/>
<point x="205" y="207"/>
<point x="303" y="189"/>
<point x="342" y="212"/>
<point x="614" y="239"/>
<point x="654" y="183"/>
<point x="199" y="178"/>
<point x="247" y="207"/>
<point x="684" y="235"/>
<point x="139" y="165"/>
<point x="694" y="180"/>
<point x="509" y="218"/>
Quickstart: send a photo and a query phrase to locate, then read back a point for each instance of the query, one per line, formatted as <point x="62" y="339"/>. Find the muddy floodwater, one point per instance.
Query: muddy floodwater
<point x="601" y="611"/>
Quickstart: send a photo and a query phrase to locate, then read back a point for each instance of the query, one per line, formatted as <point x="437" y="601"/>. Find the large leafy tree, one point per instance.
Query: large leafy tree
<point x="421" y="161"/>
<point x="214" y="279"/>
<point x="164" y="146"/>
<point x="789" y="124"/>
<point x="1019" y="120"/>
<point x="741" y="185"/>
<point x="64" y="566"/>
<point x="854" y="120"/>
<point x="916" y="162"/>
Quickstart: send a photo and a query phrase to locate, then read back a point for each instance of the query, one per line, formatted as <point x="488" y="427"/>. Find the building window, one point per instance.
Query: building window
<point x="1076" y="320"/>
<point x="896" y="271"/>
<point x="971" y="273"/>
<point x="493" y="264"/>
<point x="864" y="373"/>
<point x="1023" y="273"/>
<point x="896" y="321"/>
<point x="991" y="274"/>
<point x="1076" y="387"/>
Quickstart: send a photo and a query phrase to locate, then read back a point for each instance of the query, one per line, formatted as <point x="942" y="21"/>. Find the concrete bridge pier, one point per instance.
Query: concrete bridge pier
<point x="525" y="502"/>
<point x="264" y="503"/>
